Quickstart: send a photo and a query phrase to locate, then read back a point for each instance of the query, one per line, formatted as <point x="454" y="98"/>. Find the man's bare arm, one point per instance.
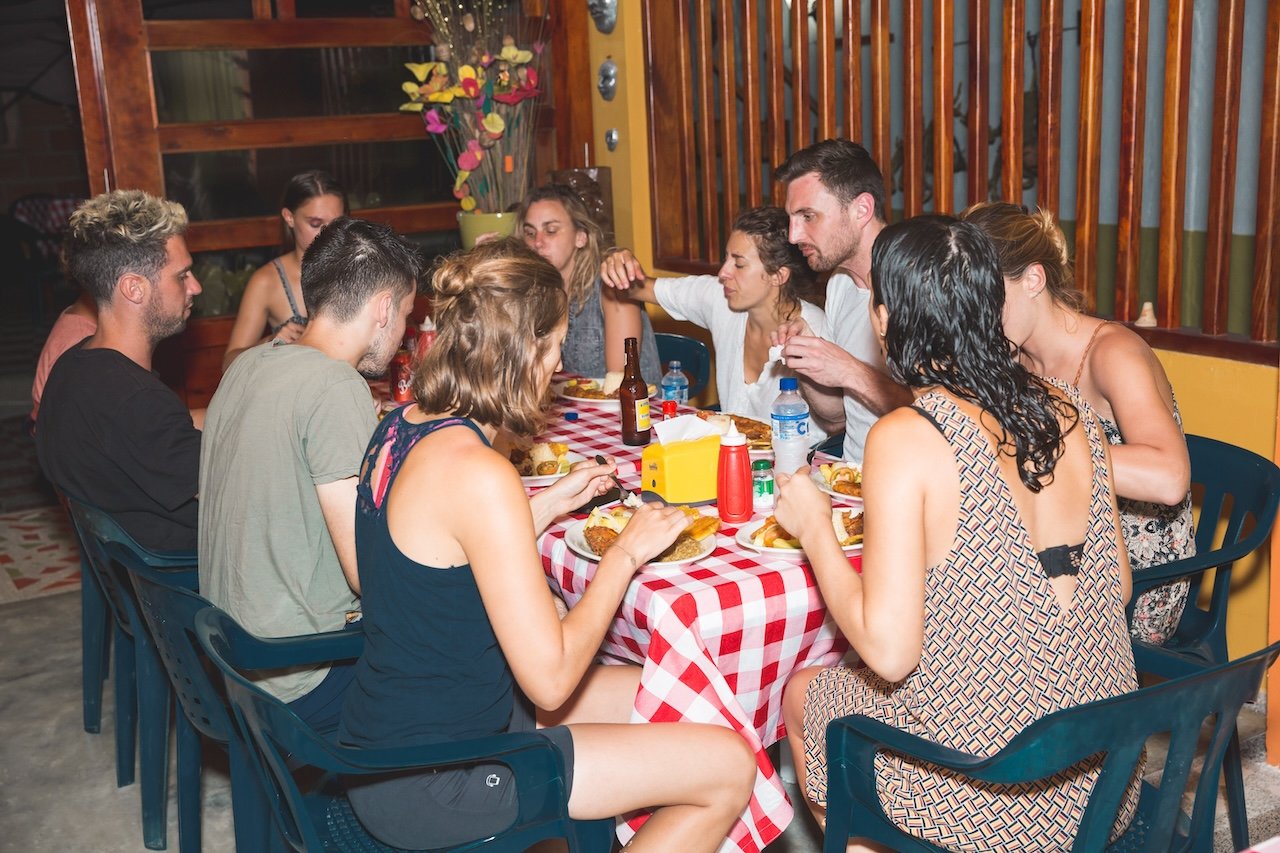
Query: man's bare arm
<point x="338" y="503"/>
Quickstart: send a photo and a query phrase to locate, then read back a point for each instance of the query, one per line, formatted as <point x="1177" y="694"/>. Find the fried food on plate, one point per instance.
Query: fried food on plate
<point x="604" y="525"/>
<point x="542" y="459"/>
<point x="587" y="389"/>
<point x="847" y="525"/>
<point x="759" y="434"/>
<point x="842" y="477"/>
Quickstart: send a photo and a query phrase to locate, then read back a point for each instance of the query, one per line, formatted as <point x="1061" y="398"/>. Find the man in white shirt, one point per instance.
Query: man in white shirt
<point x="835" y="203"/>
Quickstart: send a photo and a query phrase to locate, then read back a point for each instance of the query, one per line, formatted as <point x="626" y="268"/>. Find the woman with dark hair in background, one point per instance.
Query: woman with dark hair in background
<point x="273" y="297"/>
<point x="763" y="283"/>
<point x="1123" y="381"/>
<point x="994" y="578"/>
<point x="556" y="224"/>
<point x="457" y="611"/>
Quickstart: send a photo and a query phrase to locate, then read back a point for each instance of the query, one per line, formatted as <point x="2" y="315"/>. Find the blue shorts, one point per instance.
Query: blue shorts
<point x="446" y="807"/>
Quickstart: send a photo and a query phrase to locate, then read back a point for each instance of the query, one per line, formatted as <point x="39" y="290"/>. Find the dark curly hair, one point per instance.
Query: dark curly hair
<point x="767" y="227"/>
<point x="940" y="281"/>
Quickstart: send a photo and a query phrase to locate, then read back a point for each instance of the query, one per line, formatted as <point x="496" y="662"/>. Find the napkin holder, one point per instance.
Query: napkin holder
<point x="681" y="472"/>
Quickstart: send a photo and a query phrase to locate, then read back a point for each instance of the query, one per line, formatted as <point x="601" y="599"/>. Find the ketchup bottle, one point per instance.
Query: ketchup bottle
<point x="633" y="397"/>
<point x="733" y="478"/>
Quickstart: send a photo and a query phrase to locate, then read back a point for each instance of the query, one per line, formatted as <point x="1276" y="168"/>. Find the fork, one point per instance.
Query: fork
<point x="623" y="491"/>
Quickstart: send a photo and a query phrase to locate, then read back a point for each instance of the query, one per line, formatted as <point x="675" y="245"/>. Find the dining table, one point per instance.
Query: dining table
<point x="716" y="639"/>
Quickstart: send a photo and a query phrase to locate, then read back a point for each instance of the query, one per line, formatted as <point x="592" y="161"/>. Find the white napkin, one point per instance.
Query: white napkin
<point x="682" y="428"/>
<point x="775" y="354"/>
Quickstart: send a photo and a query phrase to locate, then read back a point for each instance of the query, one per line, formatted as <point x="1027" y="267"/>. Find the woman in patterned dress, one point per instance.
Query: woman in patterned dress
<point x="994" y="579"/>
<point x="1121" y="378"/>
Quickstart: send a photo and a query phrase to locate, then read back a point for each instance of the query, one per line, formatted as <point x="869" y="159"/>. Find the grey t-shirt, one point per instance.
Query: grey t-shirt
<point x="284" y="420"/>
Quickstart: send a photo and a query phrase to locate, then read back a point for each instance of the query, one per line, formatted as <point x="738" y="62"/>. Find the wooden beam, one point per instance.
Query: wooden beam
<point x="281" y="34"/>
<point x="753" y="133"/>
<point x="727" y="120"/>
<point x="573" y="85"/>
<point x="129" y="100"/>
<point x="801" y="97"/>
<point x="1222" y="166"/>
<point x="979" y="130"/>
<point x="944" y="82"/>
<point x="672" y="156"/>
<point x="86" y="56"/>
<point x="825" y="65"/>
<point x="707" y="238"/>
<point x="1049" y="142"/>
<point x="1133" y="103"/>
<point x="913" y="108"/>
<point x="1011" y="108"/>
<point x="852" y="64"/>
<point x="1266" y="259"/>
<point x="288" y="132"/>
<point x="1173" y="163"/>
<point x="777" y="120"/>
<point x="1090" y="147"/>
<point x="881" y="109"/>
<point x="219" y="234"/>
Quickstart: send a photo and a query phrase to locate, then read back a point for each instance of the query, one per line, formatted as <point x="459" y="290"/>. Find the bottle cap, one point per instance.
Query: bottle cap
<point x="788" y="383"/>
<point x="669" y="408"/>
<point x="761" y="465"/>
<point x="427" y="324"/>
<point x="733" y="437"/>
<point x="570" y="416"/>
<point x="673" y="364"/>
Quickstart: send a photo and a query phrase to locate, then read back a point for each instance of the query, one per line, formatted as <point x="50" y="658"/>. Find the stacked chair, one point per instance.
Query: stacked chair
<point x="109" y="616"/>
<point x="1241" y="493"/>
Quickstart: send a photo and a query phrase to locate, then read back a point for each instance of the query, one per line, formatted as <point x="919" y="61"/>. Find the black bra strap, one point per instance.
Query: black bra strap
<point x="928" y="416"/>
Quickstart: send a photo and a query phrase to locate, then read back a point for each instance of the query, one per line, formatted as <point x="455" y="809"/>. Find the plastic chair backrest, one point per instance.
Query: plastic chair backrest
<point x="107" y="546"/>
<point x="278" y="741"/>
<point x="1239" y="488"/>
<point x="693" y="355"/>
<point x="48" y="215"/>
<point x="1117" y="727"/>
<point x="170" y="612"/>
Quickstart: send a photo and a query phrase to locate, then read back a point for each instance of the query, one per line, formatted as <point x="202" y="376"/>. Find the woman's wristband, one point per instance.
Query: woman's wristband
<point x="635" y="565"/>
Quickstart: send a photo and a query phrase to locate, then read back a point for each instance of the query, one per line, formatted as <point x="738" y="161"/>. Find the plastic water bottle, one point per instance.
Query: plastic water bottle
<point x="790" y="419"/>
<point x="675" y="385"/>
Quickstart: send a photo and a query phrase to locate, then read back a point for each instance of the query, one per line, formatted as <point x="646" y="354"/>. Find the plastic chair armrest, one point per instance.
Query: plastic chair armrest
<point x="252" y="652"/>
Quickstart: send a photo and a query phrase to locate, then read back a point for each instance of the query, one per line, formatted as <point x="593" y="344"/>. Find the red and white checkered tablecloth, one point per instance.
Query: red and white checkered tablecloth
<point x="717" y="639"/>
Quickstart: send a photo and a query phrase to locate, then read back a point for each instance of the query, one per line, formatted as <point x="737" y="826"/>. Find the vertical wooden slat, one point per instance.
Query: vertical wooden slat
<point x="673" y="178"/>
<point x="262" y="10"/>
<point x="825" y="66"/>
<point x="752" y="142"/>
<point x="728" y="113"/>
<point x="1222" y="166"/>
<point x="1133" y="90"/>
<point x="1011" y="109"/>
<point x="400" y="8"/>
<point x="881" y="138"/>
<point x="129" y="100"/>
<point x="1173" y="163"/>
<point x="1090" y="146"/>
<point x="801" y="101"/>
<point x="913" y="108"/>
<point x="286" y="10"/>
<point x="704" y="127"/>
<point x="852" y="64"/>
<point x="1266" y="260"/>
<point x="86" y="57"/>
<point x="777" y="121"/>
<point x="1049" y="142"/>
<point x="944" y="80"/>
<point x="979" y="136"/>
<point x="572" y="85"/>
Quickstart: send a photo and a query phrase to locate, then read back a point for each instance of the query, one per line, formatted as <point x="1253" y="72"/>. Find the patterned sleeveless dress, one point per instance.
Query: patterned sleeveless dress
<point x="999" y="653"/>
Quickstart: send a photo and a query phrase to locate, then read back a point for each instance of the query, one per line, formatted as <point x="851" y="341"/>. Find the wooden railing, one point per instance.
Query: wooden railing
<point x="732" y="93"/>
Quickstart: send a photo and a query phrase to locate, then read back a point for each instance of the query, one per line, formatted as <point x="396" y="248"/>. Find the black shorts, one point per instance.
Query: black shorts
<point x="448" y="807"/>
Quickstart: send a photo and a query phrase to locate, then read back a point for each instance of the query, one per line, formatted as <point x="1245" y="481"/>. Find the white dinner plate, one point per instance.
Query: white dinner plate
<point x="744" y="539"/>
<point x="548" y="479"/>
<point x="609" y="404"/>
<point x="822" y="485"/>
<point x="578" y="544"/>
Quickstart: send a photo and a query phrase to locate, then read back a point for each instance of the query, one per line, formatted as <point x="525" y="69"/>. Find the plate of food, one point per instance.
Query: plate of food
<point x="759" y="434"/>
<point x="840" y="480"/>
<point x="769" y="537"/>
<point x="544" y="462"/>
<point x="592" y="536"/>
<point x="598" y="393"/>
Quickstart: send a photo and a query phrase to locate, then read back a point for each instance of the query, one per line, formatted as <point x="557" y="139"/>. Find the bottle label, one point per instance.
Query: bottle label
<point x="789" y="426"/>
<point x="642" y="415"/>
<point x="762" y="492"/>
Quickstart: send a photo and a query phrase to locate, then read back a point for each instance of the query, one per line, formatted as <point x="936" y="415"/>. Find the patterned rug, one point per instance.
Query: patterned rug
<point x="38" y="554"/>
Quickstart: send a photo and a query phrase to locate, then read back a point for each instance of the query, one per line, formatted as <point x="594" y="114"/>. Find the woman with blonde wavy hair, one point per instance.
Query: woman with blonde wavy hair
<point x="457" y="611"/>
<point x="557" y="225"/>
<point x="1120" y="377"/>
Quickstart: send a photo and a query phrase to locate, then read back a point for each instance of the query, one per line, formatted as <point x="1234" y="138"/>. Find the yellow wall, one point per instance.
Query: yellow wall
<point x="1223" y="399"/>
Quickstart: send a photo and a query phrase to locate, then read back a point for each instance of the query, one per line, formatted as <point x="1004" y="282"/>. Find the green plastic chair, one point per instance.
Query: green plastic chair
<point x="1242" y="492"/>
<point x="280" y="743"/>
<point x="693" y="355"/>
<point x="1117" y="728"/>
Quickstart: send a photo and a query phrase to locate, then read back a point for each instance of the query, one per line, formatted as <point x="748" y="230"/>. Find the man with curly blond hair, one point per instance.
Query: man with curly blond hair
<point x="109" y="431"/>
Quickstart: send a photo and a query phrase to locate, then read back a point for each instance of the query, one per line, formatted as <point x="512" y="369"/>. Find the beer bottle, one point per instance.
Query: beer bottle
<point x="633" y="395"/>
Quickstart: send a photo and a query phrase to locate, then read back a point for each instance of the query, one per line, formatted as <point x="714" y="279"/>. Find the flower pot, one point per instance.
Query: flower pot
<point x="474" y="225"/>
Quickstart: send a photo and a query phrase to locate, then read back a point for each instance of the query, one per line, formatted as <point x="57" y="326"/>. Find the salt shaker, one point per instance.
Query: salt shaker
<point x="762" y="486"/>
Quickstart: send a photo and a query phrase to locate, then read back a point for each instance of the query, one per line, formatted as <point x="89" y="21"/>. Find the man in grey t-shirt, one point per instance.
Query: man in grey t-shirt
<point x="284" y="437"/>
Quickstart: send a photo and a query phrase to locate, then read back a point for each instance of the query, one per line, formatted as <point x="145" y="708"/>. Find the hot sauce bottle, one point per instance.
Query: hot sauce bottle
<point x="633" y="396"/>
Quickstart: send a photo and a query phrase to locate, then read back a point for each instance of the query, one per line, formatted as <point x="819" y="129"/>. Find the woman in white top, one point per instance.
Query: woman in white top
<point x="763" y="283"/>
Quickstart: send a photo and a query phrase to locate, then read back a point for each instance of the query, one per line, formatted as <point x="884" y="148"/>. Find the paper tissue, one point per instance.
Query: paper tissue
<point x="680" y="468"/>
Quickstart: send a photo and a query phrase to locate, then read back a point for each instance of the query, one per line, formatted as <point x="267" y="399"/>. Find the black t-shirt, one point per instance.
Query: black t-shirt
<point x="114" y="435"/>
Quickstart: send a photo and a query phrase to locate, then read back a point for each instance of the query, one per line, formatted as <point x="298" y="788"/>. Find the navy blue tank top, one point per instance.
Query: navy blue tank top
<point x="431" y="668"/>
